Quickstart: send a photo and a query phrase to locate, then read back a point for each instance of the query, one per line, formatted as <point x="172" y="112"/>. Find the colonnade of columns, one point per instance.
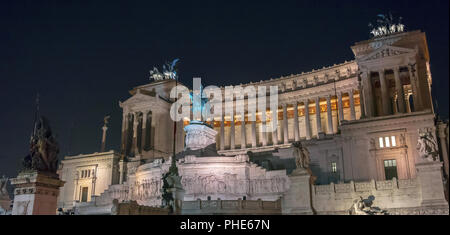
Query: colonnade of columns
<point x="137" y="131"/>
<point x="228" y="138"/>
<point x="397" y="102"/>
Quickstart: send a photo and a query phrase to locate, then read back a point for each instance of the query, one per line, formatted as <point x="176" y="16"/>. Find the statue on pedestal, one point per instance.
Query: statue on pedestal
<point x="44" y="149"/>
<point x="3" y="191"/>
<point x="171" y="184"/>
<point x="302" y="161"/>
<point x="301" y="156"/>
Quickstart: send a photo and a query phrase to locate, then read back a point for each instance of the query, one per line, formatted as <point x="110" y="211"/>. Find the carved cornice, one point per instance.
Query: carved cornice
<point x="342" y="86"/>
<point x="388" y="121"/>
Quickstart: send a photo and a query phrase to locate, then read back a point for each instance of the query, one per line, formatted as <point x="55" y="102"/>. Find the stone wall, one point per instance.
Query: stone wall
<point x="235" y="207"/>
<point x="395" y="196"/>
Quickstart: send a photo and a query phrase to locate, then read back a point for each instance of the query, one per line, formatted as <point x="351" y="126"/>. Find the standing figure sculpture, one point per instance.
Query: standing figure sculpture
<point x="301" y="156"/>
<point x="43" y="149"/>
<point x="302" y="162"/>
<point x="427" y="145"/>
<point x="3" y="183"/>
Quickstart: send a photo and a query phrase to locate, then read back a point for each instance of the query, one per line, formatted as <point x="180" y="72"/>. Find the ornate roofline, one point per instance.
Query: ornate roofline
<point x="303" y="74"/>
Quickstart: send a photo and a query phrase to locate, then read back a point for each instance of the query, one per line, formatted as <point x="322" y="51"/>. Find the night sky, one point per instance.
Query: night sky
<point x="83" y="57"/>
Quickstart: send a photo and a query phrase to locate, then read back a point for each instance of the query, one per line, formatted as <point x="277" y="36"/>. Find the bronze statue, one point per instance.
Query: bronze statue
<point x="43" y="149"/>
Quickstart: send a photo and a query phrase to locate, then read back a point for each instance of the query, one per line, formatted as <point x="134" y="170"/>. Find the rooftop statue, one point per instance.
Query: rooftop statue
<point x="171" y="183"/>
<point x="386" y="25"/>
<point x="168" y="71"/>
<point x="44" y="149"/>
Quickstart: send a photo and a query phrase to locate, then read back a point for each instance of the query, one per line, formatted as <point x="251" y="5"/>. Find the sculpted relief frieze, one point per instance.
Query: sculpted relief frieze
<point x="202" y="185"/>
<point x="146" y="189"/>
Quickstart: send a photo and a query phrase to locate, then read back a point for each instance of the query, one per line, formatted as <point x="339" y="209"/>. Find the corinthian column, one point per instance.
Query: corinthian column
<point x="399" y="89"/>
<point x="384" y="93"/>
<point x="104" y="128"/>
<point x="340" y="107"/>
<point x="254" y="144"/>
<point x="124" y="132"/>
<point x="285" y="124"/>
<point x="368" y="93"/>
<point x="352" y="105"/>
<point x="307" y="122"/>
<point x="243" y="136"/>
<point x="222" y="133"/>
<point x="296" y="128"/>
<point x="412" y="69"/>
<point x="329" y="116"/>
<point x="144" y="130"/>
<point x="274" y="127"/>
<point x="263" y="127"/>
<point x="232" y="133"/>
<point x="318" y="118"/>
<point x="135" y="126"/>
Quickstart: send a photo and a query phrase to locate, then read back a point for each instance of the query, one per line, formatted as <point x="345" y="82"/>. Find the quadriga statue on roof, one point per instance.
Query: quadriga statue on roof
<point x="169" y="71"/>
<point x="44" y="149"/>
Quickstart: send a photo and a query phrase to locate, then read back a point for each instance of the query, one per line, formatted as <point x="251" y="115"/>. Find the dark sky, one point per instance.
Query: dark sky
<point x="82" y="57"/>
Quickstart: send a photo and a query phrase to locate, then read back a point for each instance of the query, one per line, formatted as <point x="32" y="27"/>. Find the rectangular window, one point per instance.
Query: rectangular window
<point x="333" y="167"/>
<point x="381" y="142"/>
<point x="393" y="142"/>
<point x="390" y="169"/>
<point x="89" y="173"/>
<point x="84" y="194"/>
<point x="387" y="142"/>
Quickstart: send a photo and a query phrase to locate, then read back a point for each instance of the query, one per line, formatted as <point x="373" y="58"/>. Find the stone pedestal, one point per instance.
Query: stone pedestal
<point x="5" y="205"/>
<point x="178" y="195"/>
<point x="199" y="135"/>
<point x="429" y="176"/>
<point x="35" y="193"/>
<point x="297" y="200"/>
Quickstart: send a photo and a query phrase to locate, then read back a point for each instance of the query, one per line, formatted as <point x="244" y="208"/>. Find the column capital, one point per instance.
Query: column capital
<point x="381" y="71"/>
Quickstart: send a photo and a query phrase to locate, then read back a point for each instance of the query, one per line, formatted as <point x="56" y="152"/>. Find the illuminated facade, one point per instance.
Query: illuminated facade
<point x="360" y="120"/>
